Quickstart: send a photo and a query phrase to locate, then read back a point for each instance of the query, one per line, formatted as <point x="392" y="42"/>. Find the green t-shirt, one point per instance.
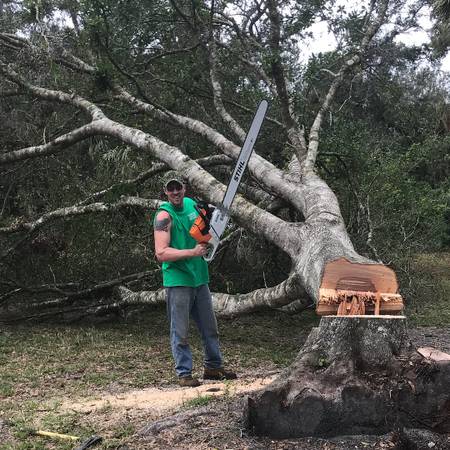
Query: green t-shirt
<point x="192" y="272"/>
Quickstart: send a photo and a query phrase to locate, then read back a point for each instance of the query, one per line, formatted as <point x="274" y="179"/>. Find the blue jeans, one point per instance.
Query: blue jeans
<point x="181" y="303"/>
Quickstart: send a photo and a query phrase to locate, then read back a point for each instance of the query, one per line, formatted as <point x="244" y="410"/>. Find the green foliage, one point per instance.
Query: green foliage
<point x="442" y="9"/>
<point x="323" y="362"/>
<point x="196" y="402"/>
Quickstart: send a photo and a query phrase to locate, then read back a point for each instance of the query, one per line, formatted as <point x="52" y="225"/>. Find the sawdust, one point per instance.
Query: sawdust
<point x="160" y="401"/>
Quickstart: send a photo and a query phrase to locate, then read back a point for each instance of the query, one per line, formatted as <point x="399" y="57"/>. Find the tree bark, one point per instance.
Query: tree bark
<point x="355" y="375"/>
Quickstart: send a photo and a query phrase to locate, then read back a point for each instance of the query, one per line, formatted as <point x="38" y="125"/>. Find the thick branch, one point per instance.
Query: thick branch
<point x="51" y="147"/>
<point x="71" y="211"/>
<point x="227" y="305"/>
<point x="129" y="298"/>
<point x="262" y="170"/>
<point x="255" y="219"/>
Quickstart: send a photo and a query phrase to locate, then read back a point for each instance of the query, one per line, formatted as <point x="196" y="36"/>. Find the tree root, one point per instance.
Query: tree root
<point x="175" y="420"/>
<point x="355" y="375"/>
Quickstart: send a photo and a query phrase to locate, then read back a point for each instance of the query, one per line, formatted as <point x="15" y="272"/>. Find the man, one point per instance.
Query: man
<point x="186" y="278"/>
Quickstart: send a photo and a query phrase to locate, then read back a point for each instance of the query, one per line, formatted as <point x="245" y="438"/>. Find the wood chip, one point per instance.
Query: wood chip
<point x="433" y="353"/>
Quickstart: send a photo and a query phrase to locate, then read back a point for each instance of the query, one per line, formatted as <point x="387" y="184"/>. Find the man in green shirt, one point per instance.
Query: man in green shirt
<point x="185" y="278"/>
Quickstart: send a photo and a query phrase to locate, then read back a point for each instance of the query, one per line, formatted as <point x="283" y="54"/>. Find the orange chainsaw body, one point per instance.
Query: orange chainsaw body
<point x="200" y="230"/>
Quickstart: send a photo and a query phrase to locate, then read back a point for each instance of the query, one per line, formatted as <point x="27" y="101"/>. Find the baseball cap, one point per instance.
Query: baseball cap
<point x="173" y="183"/>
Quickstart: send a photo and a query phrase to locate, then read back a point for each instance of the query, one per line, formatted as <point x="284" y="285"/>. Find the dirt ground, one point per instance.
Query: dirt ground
<point x="186" y="418"/>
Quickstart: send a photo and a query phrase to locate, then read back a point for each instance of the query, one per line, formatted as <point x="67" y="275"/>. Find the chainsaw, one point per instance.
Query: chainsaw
<point x="211" y="222"/>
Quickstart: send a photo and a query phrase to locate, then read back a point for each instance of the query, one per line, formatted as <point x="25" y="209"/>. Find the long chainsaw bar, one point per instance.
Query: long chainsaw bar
<point x="221" y="214"/>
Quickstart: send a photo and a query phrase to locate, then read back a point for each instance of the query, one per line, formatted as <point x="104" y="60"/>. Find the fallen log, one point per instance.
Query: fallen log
<point x="355" y="375"/>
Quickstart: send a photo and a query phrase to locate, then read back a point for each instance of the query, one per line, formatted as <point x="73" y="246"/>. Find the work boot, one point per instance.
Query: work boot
<point x="188" y="381"/>
<point x="218" y="374"/>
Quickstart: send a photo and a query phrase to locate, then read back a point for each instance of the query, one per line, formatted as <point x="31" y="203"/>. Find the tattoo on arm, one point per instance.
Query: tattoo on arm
<point x="162" y="224"/>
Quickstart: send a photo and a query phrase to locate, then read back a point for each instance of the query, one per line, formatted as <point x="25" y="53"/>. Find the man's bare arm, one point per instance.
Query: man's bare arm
<point x="162" y="229"/>
<point x="162" y="224"/>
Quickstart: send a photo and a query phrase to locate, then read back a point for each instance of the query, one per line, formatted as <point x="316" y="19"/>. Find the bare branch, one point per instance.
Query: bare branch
<point x="217" y="91"/>
<point x="313" y="145"/>
<point x="51" y="147"/>
<point x="47" y="94"/>
<point x="71" y="211"/>
<point x="154" y="170"/>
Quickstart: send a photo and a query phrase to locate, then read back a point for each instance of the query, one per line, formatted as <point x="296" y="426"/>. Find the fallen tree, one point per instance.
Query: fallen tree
<point x="311" y="243"/>
<point x="348" y="360"/>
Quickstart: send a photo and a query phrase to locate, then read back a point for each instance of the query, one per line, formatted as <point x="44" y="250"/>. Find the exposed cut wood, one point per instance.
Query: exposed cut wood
<point x="377" y="304"/>
<point x="342" y="274"/>
<point x="351" y="306"/>
<point x="374" y="302"/>
<point x="351" y="288"/>
<point x="433" y="353"/>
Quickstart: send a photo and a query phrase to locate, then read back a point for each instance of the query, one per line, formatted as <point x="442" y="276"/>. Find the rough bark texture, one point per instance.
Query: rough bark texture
<point x="355" y="375"/>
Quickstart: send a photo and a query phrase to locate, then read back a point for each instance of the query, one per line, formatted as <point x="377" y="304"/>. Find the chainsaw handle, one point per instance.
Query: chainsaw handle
<point x="211" y="248"/>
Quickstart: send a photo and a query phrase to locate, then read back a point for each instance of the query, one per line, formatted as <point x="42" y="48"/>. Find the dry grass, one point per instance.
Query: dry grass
<point x="44" y="364"/>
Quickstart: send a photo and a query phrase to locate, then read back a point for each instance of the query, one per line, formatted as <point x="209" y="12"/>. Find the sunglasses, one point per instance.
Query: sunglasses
<point x="174" y="187"/>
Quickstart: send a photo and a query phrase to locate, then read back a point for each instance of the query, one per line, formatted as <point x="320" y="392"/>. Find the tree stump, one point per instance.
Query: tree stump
<point x="355" y="375"/>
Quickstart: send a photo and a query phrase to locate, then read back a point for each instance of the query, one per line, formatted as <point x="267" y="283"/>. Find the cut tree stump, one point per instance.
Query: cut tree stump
<point x="355" y="375"/>
<point x="351" y="288"/>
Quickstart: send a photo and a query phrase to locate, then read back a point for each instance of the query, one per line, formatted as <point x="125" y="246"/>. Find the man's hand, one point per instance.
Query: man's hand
<point x="200" y="250"/>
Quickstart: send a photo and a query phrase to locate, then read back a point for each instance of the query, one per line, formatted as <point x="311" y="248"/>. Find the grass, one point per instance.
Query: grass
<point x="44" y="364"/>
<point x="430" y="289"/>
<point x="201" y="400"/>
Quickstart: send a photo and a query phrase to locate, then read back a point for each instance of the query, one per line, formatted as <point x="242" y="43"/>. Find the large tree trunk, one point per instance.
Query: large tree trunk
<point x="355" y="375"/>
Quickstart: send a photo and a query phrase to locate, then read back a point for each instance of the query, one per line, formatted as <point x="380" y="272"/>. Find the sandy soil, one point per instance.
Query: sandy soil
<point x="163" y="420"/>
<point x="160" y="401"/>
